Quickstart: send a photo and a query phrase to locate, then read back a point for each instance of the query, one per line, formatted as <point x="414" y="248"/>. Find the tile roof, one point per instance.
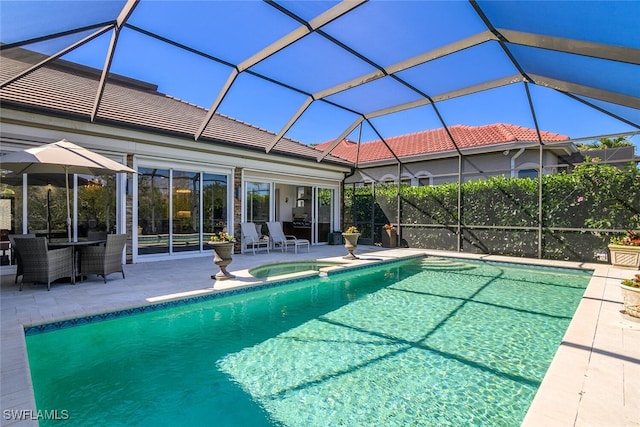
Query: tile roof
<point x="437" y="141"/>
<point x="66" y="88"/>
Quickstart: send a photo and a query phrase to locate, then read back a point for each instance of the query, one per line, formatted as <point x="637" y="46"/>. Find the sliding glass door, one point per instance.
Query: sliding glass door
<point x="214" y="206"/>
<point x="179" y="211"/>
<point x="323" y="214"/>
<point x="258" y="199"/>
<point x="185" y="208"/>
<point x="153" y="211"/>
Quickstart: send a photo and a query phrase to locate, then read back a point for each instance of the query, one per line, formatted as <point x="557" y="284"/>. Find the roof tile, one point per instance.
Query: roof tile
<point x="67" y="88"/>
<point x="437" y="140"/>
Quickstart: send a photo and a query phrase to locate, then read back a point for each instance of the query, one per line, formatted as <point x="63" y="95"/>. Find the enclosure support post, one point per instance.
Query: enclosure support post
<point x="540" y="157"/>
<point x="459" y="231"/>
<point x="540" y="171"/>
<point x="398" y="201"/>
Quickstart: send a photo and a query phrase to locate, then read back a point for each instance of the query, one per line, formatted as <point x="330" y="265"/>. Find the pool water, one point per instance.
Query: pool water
<point x="281" y="268"/>
<point x="421" y="342"/>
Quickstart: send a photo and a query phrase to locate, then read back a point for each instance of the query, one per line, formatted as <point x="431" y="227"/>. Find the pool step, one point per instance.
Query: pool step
<point x="445" y="264"/>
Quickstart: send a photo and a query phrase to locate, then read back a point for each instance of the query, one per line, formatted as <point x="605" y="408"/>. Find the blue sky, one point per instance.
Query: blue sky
<point x="383" y="31"/>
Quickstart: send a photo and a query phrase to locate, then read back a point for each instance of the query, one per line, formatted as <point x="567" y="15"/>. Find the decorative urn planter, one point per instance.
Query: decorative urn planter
<point x="631" y="298"/>
<point x="350" y="244"/>
<point x="631" y="301"/>
<point x="625" y="256"/>
<point x="222" y="258"/>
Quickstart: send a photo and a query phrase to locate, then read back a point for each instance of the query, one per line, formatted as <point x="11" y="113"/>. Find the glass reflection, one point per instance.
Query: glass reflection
<point x="186" y="211"/>
<point x="153" y="211"/>
<point x="214" y="205"/>
<point x="96" y="204"/>
<point x="257" y="202"/>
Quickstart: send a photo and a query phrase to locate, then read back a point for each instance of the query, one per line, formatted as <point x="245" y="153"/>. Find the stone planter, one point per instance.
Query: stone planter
<point x="631" y="301"/>
<point x="389" y="238"/>
<point x="222" y="258"/>
<point x="625" y="256"/>
<point x="350" y="244"/>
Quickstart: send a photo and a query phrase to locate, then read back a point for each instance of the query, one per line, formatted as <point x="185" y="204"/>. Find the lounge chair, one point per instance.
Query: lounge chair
<point x="103" y="259"/>
<point x="39" y="264"/>
<point x="12" y="238"/>
<point x="278" y="237"/>
<point x="251" y="238"/>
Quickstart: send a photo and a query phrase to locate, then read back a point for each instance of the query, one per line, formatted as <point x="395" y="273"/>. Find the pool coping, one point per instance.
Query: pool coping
<point x="310" y="271"/>
<point x="592" y="379"/>
<point x="278" y="281"/>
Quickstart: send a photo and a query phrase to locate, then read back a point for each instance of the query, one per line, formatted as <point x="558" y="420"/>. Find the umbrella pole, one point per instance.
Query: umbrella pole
<point x="49" y="211"/>
<point x="66" y="176"/>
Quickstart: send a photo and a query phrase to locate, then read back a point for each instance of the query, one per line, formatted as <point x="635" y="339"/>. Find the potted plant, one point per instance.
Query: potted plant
<point x="223" y="244"/>
<point x="389" y="236"/>
<point x="625" y="250"/>
<point x="631" y="296"/>
<point x="351" y="235"/>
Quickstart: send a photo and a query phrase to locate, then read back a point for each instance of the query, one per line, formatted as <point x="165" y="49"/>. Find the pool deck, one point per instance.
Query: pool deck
<point x="594" y="379"/>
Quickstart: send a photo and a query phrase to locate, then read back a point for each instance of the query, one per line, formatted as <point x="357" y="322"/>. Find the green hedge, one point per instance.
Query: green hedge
<point x="596" y="198"/>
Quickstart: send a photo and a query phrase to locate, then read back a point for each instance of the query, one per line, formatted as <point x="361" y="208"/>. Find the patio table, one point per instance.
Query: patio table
<point x="73" y="245"/>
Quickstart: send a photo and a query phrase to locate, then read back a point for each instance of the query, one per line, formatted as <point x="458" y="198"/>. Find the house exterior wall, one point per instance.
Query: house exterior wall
<point x="474" y="166"/>
<point x="21" y="130"/>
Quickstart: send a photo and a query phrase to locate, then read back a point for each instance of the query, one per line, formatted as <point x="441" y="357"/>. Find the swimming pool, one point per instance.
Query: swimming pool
<point x="282" y="268"/>
<point x="428" y="341"/>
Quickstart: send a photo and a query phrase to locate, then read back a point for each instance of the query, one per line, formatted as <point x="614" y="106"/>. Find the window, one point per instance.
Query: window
<point x="528" y="173"/>
<point x="424" y="179"/>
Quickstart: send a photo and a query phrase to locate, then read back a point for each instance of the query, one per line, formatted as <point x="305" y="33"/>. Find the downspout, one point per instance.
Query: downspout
<point x="513" y="162"/>
<point x="342" y="184"/>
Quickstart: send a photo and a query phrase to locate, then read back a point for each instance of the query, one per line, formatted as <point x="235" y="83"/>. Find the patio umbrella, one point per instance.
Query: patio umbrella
<point x="61" y="157"/>
<point x="53" y="180"/>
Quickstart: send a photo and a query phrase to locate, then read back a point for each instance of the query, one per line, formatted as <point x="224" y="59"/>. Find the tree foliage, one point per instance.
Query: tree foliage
<point x="604" y="143"/>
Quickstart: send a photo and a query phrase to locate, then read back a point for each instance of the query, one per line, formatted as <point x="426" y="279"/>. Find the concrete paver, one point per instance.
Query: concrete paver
<point x="594" y="379"/>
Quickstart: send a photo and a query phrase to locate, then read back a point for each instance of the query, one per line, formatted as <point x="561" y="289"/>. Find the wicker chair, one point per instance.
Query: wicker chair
<point x="12" y="238"/>
<point x="103" y="260"/>
<point x="97" y="235"/>
<point x="41" y="265"/>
